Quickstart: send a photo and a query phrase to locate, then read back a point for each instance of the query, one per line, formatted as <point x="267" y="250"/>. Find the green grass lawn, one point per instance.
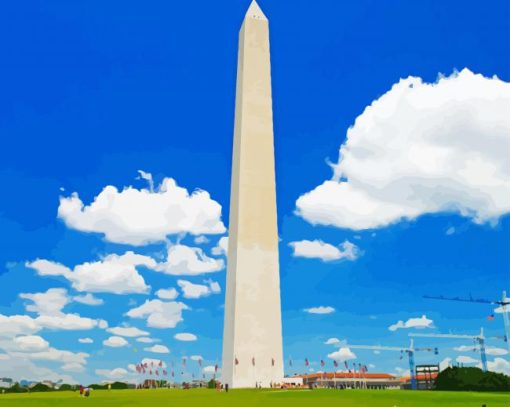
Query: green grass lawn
<point x="248" y="398"/>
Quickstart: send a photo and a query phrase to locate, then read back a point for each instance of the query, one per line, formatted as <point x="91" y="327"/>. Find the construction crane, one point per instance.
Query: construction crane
<point x="410" y="353"/>
<point x="480" y="339"/>
<point x="504" y="302"/>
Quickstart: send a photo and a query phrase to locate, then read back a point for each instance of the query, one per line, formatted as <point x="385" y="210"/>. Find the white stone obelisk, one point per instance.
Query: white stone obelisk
<point x="252" y="337"/>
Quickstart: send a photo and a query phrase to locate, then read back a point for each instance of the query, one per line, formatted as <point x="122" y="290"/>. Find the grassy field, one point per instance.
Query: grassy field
<point x="248" y="398"/>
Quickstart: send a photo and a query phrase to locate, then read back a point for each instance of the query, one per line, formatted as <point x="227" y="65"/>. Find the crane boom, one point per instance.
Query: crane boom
<point x="471" y="299"/>
<point x="480" y="338"/>
<point x="377" y="347"/>
<point x="504" y="303"/>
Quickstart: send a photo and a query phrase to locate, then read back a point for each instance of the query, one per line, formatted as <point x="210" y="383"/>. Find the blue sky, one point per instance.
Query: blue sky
<point x="92" y="92"/>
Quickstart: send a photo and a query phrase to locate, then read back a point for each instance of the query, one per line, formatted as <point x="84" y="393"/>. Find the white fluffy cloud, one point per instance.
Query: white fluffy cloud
<point x="421" y="148"/>
<point x="332" y="341"/>
<point x="117" y="373"/>
<point x="465" y="359"/>
<point x="167" y="294"/>
<point x="342" y="354"/>
<point x="86" y="340"/>
<point x="49" y="306"/>
<point x="209" y="369"/>
<point x="317" y="249"/>
<point x="88" y="299"/>
<point x="495" y="351"/>
<point x="186" y="337"/>
<point x="50" y="302"/>
<point x="57" y="355"/>
<point x="129" y="332"/>
<point x="418" y="323"/>
<point x="144" y="339"/>
<point x="193" y="291"/>
<point x="499" y="365"/>
<point x="188" y="261"/>
<point x="73" y="367"/>
<point x="30" y="343"/>
<point x="221" y="249"/>
<point x="17" y="325"/>
<point x="201" y="239"/>
<point x="158" y="349"/>
<point x="20" y="367"/>
<point x="320" y="310"/>
<point x="113" y="274"/>
<point x="115" y="342"/>
<point x="159" y="314"/>
<point x="142" y="216"/>
<point x="489" y="350"/>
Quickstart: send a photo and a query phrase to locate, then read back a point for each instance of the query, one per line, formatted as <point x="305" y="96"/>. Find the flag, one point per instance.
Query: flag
<point x="354" y="367"/>
<point x="215" y="368"/>
<point x="346" y="366"/>
<point x="157" y="372"/>
<point x="152" y="364"/>
<point x="272" y="362"/>
<point x="322" y="363"/>
<point x="307" y="363"/>
<point x="237" y="361"/>
<point x="150" y="372"/>
<point x="200" y="362"/>
<point x="290" y="362"/>
<point x="184" y="361"/>
<point x="165" y="372"/>
<point x="490" y="317"/>
<point x="253" y="360"/>
<point x="160" y="363"/>
<point x="335" y="363"/>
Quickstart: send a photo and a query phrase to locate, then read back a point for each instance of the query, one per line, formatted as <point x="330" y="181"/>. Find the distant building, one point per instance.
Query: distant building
<point x="423" y="381"/>
<point x="345" y="380"/>
<point x="294" y="381"/>
<point x="6" y="382"/>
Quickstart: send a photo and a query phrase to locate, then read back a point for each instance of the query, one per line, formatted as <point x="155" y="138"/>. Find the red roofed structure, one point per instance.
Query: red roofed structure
<point x="346" y="380"/>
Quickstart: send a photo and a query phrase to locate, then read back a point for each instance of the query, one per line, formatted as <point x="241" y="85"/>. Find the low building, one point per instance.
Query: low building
<point x="423" y="381"/>
<point x="294" y="381"/>
<point x="345" y="380"/>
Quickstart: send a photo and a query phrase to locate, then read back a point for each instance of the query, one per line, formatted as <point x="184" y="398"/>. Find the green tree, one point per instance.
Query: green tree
<point x="119" y="386"/>
<point x="40" y="387"/>
<point x="471" y="379"/>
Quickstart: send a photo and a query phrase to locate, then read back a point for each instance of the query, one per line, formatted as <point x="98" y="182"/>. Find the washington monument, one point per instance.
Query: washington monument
<point x="252" y="337"/>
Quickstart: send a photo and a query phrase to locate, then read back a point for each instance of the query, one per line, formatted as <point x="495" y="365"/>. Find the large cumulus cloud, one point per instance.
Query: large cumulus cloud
<point x="421" y="148"/>
<point x="142" y="216"/>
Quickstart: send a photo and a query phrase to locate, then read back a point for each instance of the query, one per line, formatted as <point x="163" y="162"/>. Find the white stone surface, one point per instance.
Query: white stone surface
<point x="252" y="330"/>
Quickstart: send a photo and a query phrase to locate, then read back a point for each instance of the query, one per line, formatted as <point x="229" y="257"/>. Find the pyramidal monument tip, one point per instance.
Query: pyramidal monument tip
<point x="254" y="11"/>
